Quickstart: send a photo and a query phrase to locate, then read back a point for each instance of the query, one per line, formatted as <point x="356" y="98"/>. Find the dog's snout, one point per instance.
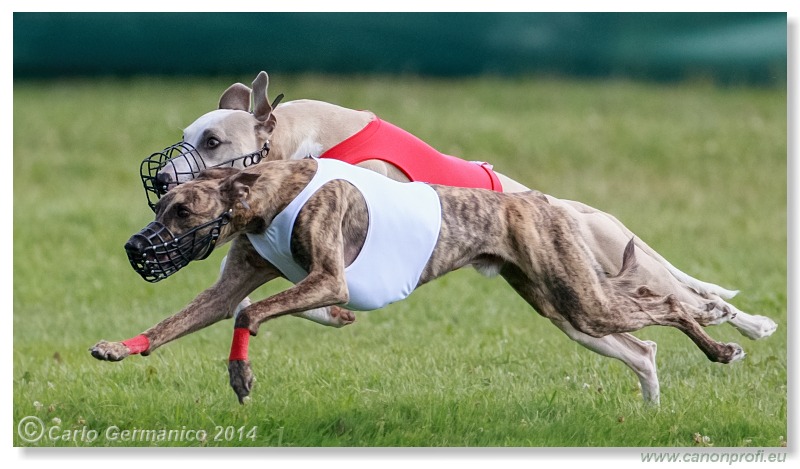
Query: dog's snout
<point x="163" y="182"/>
<point x="139" y="249"/>
<point x="136" y="244"/>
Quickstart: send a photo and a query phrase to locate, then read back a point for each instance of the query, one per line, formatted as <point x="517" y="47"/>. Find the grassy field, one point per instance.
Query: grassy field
<point x="697" y="171"/>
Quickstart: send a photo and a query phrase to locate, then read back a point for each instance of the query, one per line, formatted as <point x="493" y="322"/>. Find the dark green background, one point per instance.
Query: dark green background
<point x="738" y="48"/>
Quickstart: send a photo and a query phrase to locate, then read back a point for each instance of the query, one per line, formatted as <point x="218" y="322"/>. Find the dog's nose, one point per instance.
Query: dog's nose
<point x="136" y="244"/>
<point x="163" y="181"/>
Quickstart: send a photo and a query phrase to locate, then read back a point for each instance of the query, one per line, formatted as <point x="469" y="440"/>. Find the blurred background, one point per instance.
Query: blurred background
<point x="730" y="48"/>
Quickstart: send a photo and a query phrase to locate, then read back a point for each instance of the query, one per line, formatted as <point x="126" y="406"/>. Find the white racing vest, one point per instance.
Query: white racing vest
<point x="404" y="222"/>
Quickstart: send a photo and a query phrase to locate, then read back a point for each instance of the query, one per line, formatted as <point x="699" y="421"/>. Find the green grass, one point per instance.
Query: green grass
<point x="697" y="171"/>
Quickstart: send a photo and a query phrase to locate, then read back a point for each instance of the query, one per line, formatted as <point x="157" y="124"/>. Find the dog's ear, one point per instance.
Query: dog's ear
<point x="236" y="97"/>
<point x="262" y="110"/>
<point x="237" y="188"/>
<point x="216" y="173"/>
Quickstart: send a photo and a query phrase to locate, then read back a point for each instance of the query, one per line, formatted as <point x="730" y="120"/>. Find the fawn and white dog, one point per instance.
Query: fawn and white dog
<point x="235" y="134"/>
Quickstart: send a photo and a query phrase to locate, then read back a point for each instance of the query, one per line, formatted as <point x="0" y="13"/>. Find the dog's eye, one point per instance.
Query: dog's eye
<point x="183" y="213"/>
<point x="212" y="143"/>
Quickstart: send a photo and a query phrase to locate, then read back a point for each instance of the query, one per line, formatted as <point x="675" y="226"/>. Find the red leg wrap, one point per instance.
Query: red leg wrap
<point x="241" y="342"/>
<point x="138" y="344"/>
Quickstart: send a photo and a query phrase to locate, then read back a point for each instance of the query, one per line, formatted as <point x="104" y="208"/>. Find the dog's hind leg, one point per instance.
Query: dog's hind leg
<point x="622" y="310"/>
<point x="332" y="316"/>
<point x="606" y="236"/>
<point x="751" y="326"/>
<point x="714" y="310"/>
<point x="668" y="311"/>
<point x="638" y="355"/>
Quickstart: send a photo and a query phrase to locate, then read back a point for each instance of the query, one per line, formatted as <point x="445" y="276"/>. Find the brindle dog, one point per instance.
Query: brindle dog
<point x="533" y="244"/>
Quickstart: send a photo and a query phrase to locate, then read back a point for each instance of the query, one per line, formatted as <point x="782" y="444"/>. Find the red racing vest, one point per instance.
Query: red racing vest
<point x="380" y="140"/>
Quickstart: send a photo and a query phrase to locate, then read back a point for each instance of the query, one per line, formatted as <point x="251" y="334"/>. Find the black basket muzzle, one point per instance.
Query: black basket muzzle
<point x="181" y="163"/>
<point x="155" y="254"/>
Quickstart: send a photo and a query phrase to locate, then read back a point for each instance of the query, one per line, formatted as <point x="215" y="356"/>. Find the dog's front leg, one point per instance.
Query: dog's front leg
<point x="206" y="309"/>
<point x="245" y="271"/>
<point x="319" y="239"/>
<point x="315" y="291"/>
<point x="331" y="316"/>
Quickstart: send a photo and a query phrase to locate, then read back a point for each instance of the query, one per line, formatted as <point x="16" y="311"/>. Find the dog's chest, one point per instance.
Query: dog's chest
<point x="403" y="228"/>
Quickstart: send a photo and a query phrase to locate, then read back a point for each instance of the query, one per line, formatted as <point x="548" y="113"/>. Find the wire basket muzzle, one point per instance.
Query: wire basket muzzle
<point x="181" y="163"/>
<point x="155" y="254"/>
<point x="169" y="167"/>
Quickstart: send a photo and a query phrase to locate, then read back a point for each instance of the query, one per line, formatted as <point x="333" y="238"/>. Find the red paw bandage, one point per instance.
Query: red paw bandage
<point x="241" y="341"/>
<point x="138" y="344"/>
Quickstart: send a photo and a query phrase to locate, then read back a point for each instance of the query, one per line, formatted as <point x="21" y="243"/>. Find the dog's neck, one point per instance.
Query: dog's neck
<point x="277" y="187"/>
<point x="310" y="128"/>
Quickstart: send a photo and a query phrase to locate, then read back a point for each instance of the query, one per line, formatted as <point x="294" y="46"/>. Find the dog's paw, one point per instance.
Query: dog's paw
<point x="733" y="352"/>
<point x="241" y="376"/>
<point x="342" y="317"/>
<point x="755" y="327"/>
<point x="110" y="351"/>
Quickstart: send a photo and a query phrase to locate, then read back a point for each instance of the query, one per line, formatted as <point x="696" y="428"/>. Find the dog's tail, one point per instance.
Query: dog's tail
<point x="701" y="287"/>
<point x="624" y="281"/>
<point x="628" y="259"/>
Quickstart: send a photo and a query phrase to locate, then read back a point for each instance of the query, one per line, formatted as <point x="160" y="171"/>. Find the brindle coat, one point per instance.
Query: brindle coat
<point x="534" y="245"/>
